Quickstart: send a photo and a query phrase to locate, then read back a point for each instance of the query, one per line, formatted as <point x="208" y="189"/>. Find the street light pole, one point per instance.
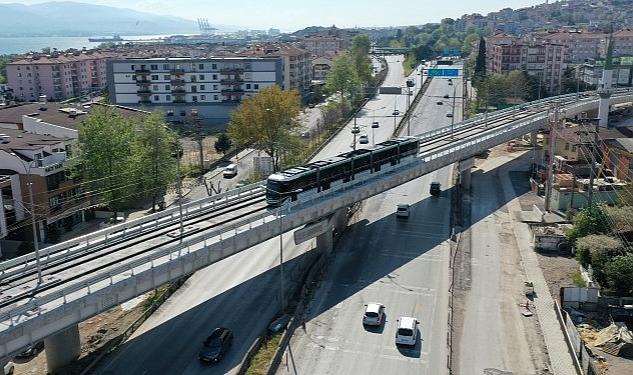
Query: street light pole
<point x="281" y="260"/>
<point x="180" y="217"/>
<point x="453" y="110"/>
<point x="408" y="105"/>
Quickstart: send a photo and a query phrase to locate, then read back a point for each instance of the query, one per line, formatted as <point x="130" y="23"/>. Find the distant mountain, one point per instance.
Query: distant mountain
<point x="79" y="19"/>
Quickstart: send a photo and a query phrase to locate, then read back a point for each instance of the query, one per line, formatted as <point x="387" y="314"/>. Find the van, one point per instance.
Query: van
<point x="230" y="171"/>
<point x="407" y="333"/>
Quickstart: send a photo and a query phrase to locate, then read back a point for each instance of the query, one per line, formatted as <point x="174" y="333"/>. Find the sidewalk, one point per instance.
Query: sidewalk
<point x="559" y="355"/>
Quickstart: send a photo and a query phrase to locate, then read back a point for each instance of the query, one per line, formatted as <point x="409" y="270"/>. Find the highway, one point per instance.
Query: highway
<point x="401" y="263"/>
<point x="241" y="293"/>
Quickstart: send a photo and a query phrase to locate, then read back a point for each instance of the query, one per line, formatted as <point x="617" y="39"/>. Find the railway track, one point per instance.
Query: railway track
<point x="20" y="287"/>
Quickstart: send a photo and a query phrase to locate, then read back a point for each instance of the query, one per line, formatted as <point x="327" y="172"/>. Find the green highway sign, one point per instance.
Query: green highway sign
<point x="443" y="72"/>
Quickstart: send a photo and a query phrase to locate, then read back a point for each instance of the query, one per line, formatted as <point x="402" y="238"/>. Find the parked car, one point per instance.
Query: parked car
<point x="449" y="114"/>
<point x="402" y="210"/>
<point x="363" y="139"/>
<point x="407" y="333"/>
<point x="9" y="368"/>
<point x="395" y="112"/>
<point x="446" y="96"/>
<point x="374" y="313"/>
<point x="230" y="171"/>
<point x="435" y="189"/>
<point x="31" y="350"/>
<point x="216" y="346"/>
<point x="440" y="103"/>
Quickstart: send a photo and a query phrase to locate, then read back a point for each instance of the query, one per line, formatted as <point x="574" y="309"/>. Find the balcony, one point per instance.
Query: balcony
<point x="143" y="82"/>
<point x="144" y="92"/>
<point x="142" y="72"/>
<point x="144" y="101"/>
<point x="178" y="91"/>
<point x="179" y="101"/>
<point x="231" y="70"/>
<point x="177" y="71"/>
<point x="231" y="81"/>
<point x="232" y="91"/>
<point x="177" y="82"/>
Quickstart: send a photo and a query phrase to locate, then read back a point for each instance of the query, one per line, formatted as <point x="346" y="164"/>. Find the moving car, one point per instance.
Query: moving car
<point x="435" y="188"/>
<point x="440" y="103"/>
<point x="363" y="139"/>
<point x="230" y="171"/>
<point x="449" y="115"/>
<point x="402" y="210"/>
<point x="407" y="333"/>
<point x="216" y="346"/>
<point x="446" y="96"/>
<point x="31" y="350"/>
<point x="9" y="368"/>
<point x="374" y="313"/>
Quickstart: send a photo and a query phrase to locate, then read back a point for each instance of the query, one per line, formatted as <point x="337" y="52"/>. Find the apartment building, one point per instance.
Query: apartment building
<point x="213" y="86"/>
<point x="59" y="76"/>
<point x="325" y="45"/>
<point x="320" y="67"/>
<point x="545" y="61"/>
<point x="581" y="46"/>
<point x="622" y="71"/>
<point x="296" y="71"/>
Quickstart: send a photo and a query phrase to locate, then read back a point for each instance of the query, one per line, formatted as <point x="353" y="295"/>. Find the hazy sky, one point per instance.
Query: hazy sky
<point x="295" y="14"/>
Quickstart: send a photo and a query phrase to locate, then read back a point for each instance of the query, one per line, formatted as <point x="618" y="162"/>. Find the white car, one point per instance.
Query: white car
<point x="230" y="171"/>
<point x="407" y="333"/>
<point x="402" y="210"/>
<point x="363" y="139"/>
<point x="9" y="368"/>
<point x="374" y="313"/>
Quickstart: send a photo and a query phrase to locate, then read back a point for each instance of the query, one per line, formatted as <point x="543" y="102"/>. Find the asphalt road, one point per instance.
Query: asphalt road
<point x="401" y="263"/>
<point x="240" y="293"/>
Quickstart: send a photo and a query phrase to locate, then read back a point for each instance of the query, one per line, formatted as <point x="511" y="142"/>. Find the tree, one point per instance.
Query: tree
<point x="589" y="220"/>
<point x="518" y="85"/>
<point x="343" y="77"/>
<point x="104" y="156"/>
<point x="619" y="274"/>
<point x="223" y="143"/>
<point x="155" y="167"/>
<point x="360" y="53"/>
<point x="268" y="122"/>
<point x="46" y="50"/>
<point x="480" y="62"/>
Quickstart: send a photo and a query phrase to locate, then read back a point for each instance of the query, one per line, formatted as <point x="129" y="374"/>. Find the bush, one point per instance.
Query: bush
<point x="590" y="220"/>
<point x="619" y="274"/>
<point x="597" y="250"/>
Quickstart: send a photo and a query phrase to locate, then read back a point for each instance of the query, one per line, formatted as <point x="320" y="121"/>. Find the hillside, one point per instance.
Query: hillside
<point x="78" y="19"/>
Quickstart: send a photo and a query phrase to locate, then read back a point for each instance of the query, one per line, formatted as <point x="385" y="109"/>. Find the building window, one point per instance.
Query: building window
<point x="202" y="87"/>
<point x="155" y="87"/>
<point x="153" y="67"/>
<point x="194" y="88"/>
<point x="256" y="86"/>
<point x="248" y="86"/>
<point x="201" y="76"/>
<point x="194" y="98"/>
<point x="203" y="97"/>
<point x="215" y="76"/>
<point x="165" y="66"/>
<point x="215" y="87"/>
<point x="167" y="87"/>
<point x="200" y="66"/>
<point x="168" y="98"/>
<point x="566" y="146"/>
<point x="156" y="98"/>
<point x="214" y="66"/>
<point x="166" y="77"/>
<point x="132" y="67"/>
<point x="215" y="97"/>
<point x="154" y="77"/>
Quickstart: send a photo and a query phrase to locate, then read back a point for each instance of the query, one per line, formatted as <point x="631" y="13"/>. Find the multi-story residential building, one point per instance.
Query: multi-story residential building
<point x="622" y="43"/>
<point x="499" y="39"/>
<point x="622" y="71"/>
<point x="320" y="67"/>
<point x="546" y="61"/>
<point x="59" y="75"/>
<point x="325" y="45"/>
<point x="581" y="46"/>
<point x="296" y="71"/>
<point x="618" y="157"/>
<point x="213" y="86"/>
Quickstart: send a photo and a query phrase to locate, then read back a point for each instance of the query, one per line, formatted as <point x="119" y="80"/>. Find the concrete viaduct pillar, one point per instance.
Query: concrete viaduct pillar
<point x="336" y="223"/>
<point x="62" y="348"/>
<point x="464" y="173"/>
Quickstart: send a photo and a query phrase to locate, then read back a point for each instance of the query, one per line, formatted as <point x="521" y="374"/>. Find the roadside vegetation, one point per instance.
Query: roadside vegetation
<point x="600" y="235"/>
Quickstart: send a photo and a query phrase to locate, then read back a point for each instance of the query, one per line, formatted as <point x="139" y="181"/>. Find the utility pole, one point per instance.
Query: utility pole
<point x="199" y="137"/>
<point x="180" y="217"/>
<point x="550" y="159"/>
<point x="408" y="105"/>
<point x="453" y="110"/>
<point x="592" y="171"/>
<point x="36" y="245"/>
<point x="281" y="260"/>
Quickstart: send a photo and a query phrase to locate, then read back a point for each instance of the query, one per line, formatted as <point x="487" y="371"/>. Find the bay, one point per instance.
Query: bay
<point x="35" y="44"/>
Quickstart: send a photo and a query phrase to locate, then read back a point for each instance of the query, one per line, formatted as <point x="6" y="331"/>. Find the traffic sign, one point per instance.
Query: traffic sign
<point x="443" y="72"/>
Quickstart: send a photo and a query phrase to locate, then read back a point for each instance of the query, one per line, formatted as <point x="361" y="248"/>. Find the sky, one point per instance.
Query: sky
<point x="289" y="15"/>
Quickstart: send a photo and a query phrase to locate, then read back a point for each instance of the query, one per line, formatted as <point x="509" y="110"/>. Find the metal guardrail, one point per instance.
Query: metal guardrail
<point x="124" y="230"/>
<point x="219" y="235"/>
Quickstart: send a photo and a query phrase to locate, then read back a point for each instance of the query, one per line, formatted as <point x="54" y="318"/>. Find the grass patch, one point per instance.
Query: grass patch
<point x="577" y="279"/>
<point x="261" y="361"/>
<point x="409" y="64"/>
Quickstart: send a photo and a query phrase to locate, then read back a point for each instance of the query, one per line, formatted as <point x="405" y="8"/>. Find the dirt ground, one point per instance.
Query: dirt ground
<point x="95" y="333"/>
<point x="558" y="272"/>
<point x="191" y="154"/>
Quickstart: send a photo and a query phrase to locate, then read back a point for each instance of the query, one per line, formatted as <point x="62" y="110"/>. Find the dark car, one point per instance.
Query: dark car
<point x="446" y="96"/>
<point x="31" y="350"/>
<point x="435" y="189"/>
<point x="216" y="346"/>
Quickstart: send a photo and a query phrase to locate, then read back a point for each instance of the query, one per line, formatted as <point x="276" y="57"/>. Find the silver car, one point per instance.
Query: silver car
<point x="374" y="314"/>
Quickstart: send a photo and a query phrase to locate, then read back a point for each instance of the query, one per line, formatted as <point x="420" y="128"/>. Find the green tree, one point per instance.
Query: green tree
<point x="46" y="50"/>
<point x="223" y="143"/>
<point x="104" y="157"/>
<point x="268" y="122"/>
<point x="468" y="43"/>
<point x="589" y="220"/>
<point x="619" y="274"/>
<point x="360" y="53"/>
<point x="343" y="77"/>
<point x="4" y="60"/>
<point x="597" y="249"/>
<point x="480" y="62"/>
<point x="518" y="85"/>
<point x="155" y="167"/>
